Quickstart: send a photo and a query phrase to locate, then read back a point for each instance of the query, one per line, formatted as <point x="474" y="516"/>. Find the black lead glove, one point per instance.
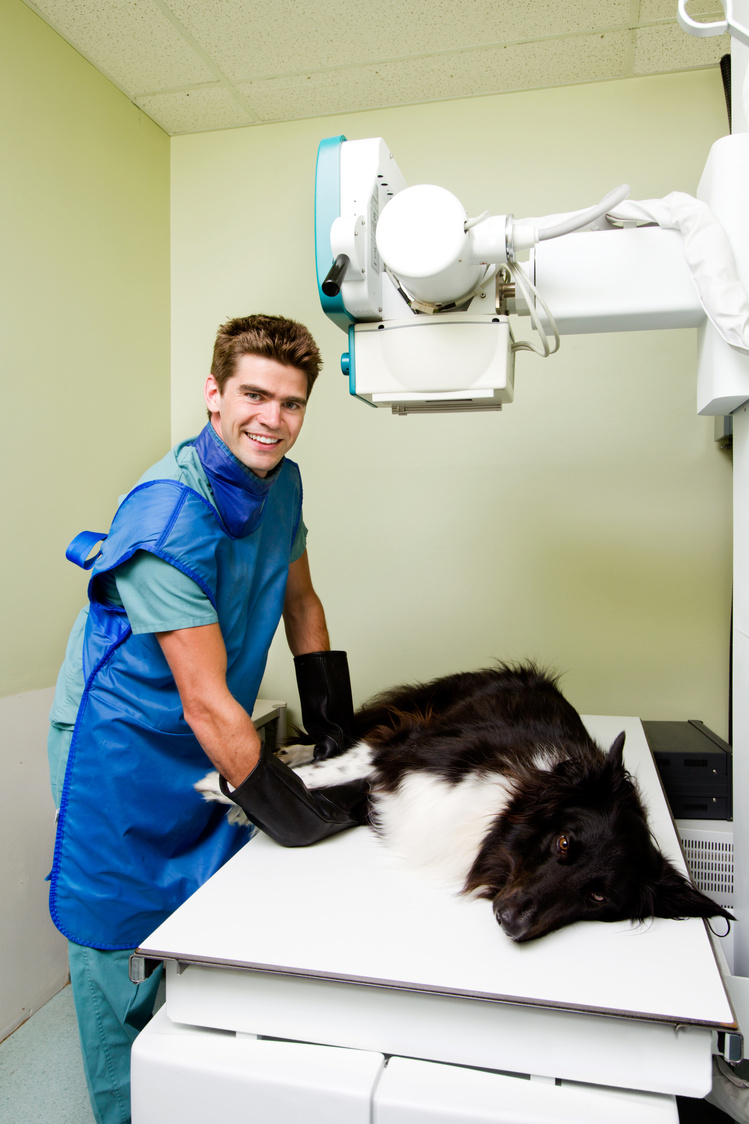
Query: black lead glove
<point x="325" y="696"/>
<point x="276" y="800"/>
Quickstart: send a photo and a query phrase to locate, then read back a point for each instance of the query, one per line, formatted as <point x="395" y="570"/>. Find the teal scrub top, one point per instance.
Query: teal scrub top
<point x="156" y="596"/>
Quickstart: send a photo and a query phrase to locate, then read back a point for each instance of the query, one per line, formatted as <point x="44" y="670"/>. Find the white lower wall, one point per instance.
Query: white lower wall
<point x="34" y="954"/>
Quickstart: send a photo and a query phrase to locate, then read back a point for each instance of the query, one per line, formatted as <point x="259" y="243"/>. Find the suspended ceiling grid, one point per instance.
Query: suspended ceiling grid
<point x="196" y="65"/>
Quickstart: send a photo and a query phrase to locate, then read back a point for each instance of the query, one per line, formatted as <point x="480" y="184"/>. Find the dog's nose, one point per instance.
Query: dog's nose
<point x="509" y="919"/>
<point x="516" y="920"/>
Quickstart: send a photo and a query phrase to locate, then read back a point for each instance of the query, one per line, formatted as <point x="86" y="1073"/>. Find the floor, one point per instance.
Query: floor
<point x="42" y="1082"/>
<point x="41" y="1073"/>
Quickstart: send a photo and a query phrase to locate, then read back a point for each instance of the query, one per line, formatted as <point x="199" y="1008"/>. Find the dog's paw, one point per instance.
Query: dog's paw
<point x="210" y="789"/>
<point x="294" y="755"/>
<point x="236" y="817"/>
<point x="355" y="764"/>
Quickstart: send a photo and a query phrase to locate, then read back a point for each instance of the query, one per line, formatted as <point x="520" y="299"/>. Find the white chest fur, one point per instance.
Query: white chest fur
<point x="439" y="826"/>
<point x="428" y="822"/>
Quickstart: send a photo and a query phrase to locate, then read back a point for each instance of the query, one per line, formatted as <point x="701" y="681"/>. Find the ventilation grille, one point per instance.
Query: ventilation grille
<point x="709" y="856"/>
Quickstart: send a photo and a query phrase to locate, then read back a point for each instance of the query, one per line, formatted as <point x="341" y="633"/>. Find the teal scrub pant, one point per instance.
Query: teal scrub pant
<point x="111" y="1012"/>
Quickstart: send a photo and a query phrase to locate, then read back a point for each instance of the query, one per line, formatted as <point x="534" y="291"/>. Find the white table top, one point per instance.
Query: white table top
<point x="346" y="910"/>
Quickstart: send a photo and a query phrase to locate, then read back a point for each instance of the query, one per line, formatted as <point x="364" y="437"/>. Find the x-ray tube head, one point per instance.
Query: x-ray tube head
<point x="421" y="237"/>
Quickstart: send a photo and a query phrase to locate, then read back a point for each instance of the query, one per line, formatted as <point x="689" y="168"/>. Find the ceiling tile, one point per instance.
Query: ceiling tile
<point x="131" y="41"/>
<point x="437" y="77"/>
<point x="665" y="47"/>
<point x="273" y="38"/>
<point x="190" y="64"/>
<point x="193" y="111"/>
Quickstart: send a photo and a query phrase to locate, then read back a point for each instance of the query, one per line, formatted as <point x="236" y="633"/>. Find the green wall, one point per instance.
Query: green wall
<point x="84" y="342"/>
<point x="589" y="524"/>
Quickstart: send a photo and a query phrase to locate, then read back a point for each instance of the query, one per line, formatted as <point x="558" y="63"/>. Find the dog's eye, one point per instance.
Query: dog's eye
<point x="597" y="898"/>
<point x="563" y="844"/>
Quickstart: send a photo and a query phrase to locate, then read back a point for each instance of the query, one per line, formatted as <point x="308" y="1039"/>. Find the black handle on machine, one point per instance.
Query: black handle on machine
<point x="331" y="286"/>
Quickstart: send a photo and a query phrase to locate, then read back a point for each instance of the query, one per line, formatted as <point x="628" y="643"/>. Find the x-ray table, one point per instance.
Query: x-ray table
<point x="332" y="986"/>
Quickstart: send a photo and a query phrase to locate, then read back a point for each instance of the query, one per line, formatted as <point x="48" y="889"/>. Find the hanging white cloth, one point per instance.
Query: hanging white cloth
<point x="709" y="255"/>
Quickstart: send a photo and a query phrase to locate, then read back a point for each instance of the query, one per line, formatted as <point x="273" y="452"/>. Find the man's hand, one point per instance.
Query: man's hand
<point x="197" y="660"/>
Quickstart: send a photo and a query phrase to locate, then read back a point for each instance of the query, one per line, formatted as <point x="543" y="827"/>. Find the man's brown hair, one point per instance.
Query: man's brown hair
<point x="273" y="337"/>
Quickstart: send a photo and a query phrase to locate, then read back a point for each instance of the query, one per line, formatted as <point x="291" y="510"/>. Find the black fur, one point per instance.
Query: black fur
<point x="573" y="842"/>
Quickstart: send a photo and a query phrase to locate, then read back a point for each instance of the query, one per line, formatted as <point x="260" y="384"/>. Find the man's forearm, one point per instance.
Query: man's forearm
<point x="197" y="659"/>
<point x="307" y="631"/>
<point x="303" y="614"/>
<point x="228" y="737"/>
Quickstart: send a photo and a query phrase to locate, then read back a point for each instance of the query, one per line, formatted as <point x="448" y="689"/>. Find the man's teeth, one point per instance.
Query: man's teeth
<point x="263" y="440"/>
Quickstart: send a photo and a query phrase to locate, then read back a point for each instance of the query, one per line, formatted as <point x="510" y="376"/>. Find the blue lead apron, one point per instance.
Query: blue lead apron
<point x="134" y="840"/>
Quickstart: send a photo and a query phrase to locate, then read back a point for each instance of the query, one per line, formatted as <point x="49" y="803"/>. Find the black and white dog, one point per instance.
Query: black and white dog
<point x="491" y="779"/>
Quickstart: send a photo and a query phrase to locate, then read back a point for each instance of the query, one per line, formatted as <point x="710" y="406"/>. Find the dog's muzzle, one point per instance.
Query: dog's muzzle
<point x="512" y="922"/>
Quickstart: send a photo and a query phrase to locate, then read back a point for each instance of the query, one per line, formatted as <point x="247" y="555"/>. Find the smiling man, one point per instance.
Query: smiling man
<point x="258" y="411"/>
<point x="204" y="557"/>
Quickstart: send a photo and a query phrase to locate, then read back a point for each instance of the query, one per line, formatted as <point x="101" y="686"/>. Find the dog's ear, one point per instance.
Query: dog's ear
<point x="674" y="896"/>
<point x="614" y="755"/>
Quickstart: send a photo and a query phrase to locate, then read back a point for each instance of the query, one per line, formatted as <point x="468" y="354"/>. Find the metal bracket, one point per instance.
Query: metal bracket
<point x="141" y="967"/>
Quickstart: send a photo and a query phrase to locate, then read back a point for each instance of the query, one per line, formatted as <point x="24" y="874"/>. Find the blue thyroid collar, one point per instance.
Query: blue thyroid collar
<point x="240" y="495"/>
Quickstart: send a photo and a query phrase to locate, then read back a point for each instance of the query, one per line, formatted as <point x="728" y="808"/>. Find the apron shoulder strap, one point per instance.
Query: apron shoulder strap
<point x="81" y="547"/>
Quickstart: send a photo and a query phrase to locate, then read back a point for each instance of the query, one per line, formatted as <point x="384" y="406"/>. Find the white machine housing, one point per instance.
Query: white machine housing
<point x="410" y="262"/>
<point x="418" y="363"/>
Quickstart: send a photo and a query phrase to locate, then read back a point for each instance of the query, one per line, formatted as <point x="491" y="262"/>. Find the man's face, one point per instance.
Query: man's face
<point x="260" y="412"/>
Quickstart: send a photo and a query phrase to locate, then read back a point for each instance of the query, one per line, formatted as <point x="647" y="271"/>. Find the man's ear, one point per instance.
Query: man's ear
<point x="212" y="395"/>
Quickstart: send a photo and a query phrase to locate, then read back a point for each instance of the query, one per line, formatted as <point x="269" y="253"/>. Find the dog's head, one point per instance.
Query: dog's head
<point x="576" y="846"/>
